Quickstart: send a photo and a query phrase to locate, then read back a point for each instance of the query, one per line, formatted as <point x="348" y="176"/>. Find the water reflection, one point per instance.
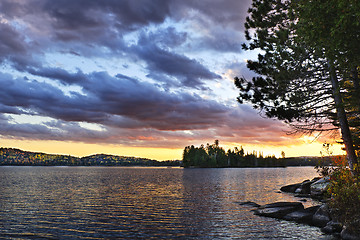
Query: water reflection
<point x="144" y="203"/>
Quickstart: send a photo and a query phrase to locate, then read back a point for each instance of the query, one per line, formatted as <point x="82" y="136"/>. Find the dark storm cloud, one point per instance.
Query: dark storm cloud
<point x="61" y="75"/>
<point x="130" y="112"/>
<point x="80" y="14"/>
<point x="13" y="48"/>
<point x="189" y="71"/>
<point x="145" y="103"/>
<point x="96" y="28"/>
<point x="106" y="96"/>
<point x="11" y="42"/>
<point x="128" y="109"/>
<point x="85" y="13"/>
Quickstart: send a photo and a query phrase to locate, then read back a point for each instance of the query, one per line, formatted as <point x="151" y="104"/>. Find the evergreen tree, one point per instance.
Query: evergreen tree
<point x="298" y="81"/>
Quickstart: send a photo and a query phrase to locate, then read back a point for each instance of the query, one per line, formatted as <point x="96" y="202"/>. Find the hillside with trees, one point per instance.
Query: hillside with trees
<point x="17" y="157"/>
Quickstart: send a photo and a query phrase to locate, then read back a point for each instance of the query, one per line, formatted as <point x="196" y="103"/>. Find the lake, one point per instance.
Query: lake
<point x="146" y="203"/>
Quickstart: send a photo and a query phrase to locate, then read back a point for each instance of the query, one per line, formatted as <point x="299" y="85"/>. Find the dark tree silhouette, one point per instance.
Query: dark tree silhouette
<point x="299" y="80"/>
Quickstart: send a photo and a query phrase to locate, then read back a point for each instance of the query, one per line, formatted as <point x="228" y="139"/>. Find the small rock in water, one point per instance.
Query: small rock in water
<point x="249" y="203"/>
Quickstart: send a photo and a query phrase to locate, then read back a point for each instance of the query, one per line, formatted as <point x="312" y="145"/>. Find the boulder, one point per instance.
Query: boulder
<point x="332" y="227"/>
<point x="320" y="187"/>
<point x="290" y="188"/>
<point x="304" y="187"/>
<point x="278" y="209"/>
<point x="321" y="216"/>
<point x="346" y="234"/>
<point x="299" y="188"/>
<point x="302" y="216"/>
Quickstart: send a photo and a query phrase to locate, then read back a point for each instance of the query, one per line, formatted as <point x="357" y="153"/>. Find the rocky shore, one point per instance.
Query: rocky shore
<point x="319" y="215"/>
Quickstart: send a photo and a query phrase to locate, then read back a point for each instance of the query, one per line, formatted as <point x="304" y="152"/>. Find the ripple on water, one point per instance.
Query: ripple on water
<point x="145" y="203"/>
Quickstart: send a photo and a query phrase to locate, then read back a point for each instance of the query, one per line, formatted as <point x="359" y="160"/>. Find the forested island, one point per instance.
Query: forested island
<point x="212" y="155"/>
<point x="17" y="157"/>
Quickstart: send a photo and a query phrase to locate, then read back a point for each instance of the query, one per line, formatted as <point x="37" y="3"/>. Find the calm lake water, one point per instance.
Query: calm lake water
<point x="146" y="203"/>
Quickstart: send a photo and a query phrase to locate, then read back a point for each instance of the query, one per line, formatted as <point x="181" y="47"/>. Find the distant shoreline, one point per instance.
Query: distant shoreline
<point x="17" y="157"/>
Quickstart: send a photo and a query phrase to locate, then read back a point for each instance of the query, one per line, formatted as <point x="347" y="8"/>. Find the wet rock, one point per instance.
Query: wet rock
<point x="302" y="195"/>
<point x="320" y="187"/>
<point x="282" y="204"/>
<point x="299" y="188"/>
<point x="278" y="209"/>
<point x="250" y="204"/>
<point x="290" y="188"/>
<point x="322" y="216"/>
<point x="346" y="234"/>
<point x="304" y="187"/>
<point x="332" y="227"/>
<point x="315" y="179"/>
<point x="302" y="216"/>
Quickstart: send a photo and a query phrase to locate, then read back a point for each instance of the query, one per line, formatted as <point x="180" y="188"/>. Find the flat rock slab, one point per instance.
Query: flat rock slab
<point x="283" y="204"/>
<point x="278" y="209"/>
<point x="302" y="216"/>
<point x="250" y="204"/>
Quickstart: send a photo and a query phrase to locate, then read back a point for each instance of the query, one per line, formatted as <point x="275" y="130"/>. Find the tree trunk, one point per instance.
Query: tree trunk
<point x="341" y="115"/>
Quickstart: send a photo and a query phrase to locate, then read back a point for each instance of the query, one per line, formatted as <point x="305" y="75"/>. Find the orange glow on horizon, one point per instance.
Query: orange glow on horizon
<point x="85" y="149"/>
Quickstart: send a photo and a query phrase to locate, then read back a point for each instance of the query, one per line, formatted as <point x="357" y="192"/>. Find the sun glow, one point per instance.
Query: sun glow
<point x="84" y="149"/>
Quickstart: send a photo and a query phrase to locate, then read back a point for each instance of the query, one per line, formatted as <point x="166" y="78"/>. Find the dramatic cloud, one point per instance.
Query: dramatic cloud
<point x="189" y="72"/>
<point x="134" y="73"/>
<point x="105" y="96"/>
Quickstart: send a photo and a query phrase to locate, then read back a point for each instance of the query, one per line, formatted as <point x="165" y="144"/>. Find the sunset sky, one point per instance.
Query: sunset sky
<point x="137" y="77"/>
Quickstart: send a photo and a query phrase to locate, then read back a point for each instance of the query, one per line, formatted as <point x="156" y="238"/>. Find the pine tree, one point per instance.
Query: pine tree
<point x="299" y="78"/>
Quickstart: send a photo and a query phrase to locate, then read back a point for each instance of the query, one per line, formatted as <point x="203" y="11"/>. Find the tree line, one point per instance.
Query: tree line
<point x="212" y="155"/>
<point x="16" y="157"/>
